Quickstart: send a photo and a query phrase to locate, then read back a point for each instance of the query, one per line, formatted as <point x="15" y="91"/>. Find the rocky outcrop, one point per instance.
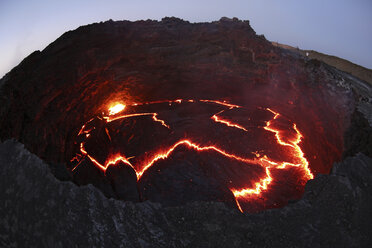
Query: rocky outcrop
<point x="339" y="63"/>
<point x="358" y="138"/>
<point x="38" y="210"/>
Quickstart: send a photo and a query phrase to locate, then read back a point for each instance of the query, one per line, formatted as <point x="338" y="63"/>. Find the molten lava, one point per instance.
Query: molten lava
<point x="228" y="123"/>
<point x="116" y="108"/>
<point x="288" y="141"/>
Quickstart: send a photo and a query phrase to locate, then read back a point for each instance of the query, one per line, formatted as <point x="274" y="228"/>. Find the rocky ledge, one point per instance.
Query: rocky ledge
<point x="38" y="210"/>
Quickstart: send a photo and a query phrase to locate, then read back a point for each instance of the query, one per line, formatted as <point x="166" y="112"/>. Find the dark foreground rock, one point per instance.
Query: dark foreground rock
<point x="38" y="210"/>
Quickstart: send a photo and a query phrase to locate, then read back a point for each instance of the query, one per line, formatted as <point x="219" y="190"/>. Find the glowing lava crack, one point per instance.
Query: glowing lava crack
<point x="240" y="194"/>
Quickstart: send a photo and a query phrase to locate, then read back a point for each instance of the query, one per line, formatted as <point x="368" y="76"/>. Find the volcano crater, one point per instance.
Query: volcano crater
<point x="204" y="112"/>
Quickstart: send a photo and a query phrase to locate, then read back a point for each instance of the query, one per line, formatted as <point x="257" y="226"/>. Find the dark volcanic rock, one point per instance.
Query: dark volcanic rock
<point x="358" y="138"/>
<point x="37" y="210"/>
<point x="124" y="181"/>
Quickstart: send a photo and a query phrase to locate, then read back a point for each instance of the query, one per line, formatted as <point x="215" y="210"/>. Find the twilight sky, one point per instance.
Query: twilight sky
<point x="337" y="27"/>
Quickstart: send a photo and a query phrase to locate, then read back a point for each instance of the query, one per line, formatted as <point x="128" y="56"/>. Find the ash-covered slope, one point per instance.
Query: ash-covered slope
<point x="37" y="210"/>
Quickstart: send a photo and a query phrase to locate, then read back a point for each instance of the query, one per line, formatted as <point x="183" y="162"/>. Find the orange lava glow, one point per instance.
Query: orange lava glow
<point x="227" y="123"/>
<point x="224" y="103"/>
<point x="158" y="120"/>
<point x="297" y="152"/>
<point x="114" y="160"/>
<point x="114" y="118"/>
<point x="116" y="108"/>
<point x="268" y="164"/>
<point x="263" y="184"/>
<point x="165" y="155"/>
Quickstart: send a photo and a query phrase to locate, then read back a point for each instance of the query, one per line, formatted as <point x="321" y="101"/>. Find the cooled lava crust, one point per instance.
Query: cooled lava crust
<point x="175" y="112"/>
